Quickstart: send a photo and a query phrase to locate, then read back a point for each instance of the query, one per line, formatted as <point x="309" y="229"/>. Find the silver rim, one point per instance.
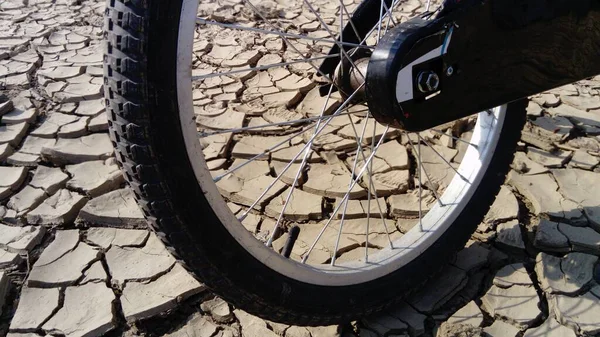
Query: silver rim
<point x="383" y="248"/>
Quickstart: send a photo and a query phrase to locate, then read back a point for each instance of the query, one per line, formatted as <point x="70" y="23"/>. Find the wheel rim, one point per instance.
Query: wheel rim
<point x="401" y="249"/>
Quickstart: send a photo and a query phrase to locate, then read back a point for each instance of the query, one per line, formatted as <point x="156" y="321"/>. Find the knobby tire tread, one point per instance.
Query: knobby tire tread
<point x="134" y="133"/>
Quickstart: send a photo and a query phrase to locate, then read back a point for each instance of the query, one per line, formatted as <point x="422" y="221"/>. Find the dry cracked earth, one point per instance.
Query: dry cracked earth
<point x="76" y="258"/>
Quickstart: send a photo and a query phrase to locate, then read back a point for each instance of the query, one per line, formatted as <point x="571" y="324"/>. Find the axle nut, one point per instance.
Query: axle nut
<point x="428" y="81"/>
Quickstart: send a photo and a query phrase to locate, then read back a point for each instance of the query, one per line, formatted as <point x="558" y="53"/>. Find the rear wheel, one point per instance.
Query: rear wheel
<point x="232" y="159"/>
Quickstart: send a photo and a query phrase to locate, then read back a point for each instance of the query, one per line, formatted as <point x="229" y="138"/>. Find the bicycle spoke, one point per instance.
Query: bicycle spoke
<point x="308" y="143"/>
<point x="358" y="149"/>
<point x="324" y="25"/>
<point x="379" y="23"/>
<point x="288" y="35"/>
<point x="345" y="10"/>
<point x="455" y="138"/>
<point x="307" y="153"/>
<point x="371" y="186"/>
<point x="203" y="134"/>
<point x="422" y="167"/>
<point x="261" y="15"/>
<point x="265" y="67"/>
<point x="444" y="159"/>
<point x="287" y="140"/>
<point x="346" y="196"/>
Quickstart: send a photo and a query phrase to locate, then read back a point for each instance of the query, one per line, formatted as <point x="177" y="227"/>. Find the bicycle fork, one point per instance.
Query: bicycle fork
<point x="475" y="55"/>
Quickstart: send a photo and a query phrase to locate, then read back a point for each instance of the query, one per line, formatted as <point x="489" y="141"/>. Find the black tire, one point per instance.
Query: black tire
<point x="140" y="91"/>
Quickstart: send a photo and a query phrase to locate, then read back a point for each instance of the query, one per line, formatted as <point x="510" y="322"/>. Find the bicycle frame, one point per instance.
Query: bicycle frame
<point x="492" y="52"/>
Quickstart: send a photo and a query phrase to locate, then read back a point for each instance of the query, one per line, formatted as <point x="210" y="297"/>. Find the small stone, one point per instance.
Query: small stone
<point x="6" y="107"/>
<point x="501" y="329"/>
<point x="20" y="116"/>
<point x="8" y="259"/>
<point x="331" y="181"/>
<point x="23" y="159"/>
<point x="542" y="191"/>
<point x="197" y="326"/>
<point x="252" y="326"/>
<point x="394" y="154"/>
<point x="580" y="313"/>
<point x="526" y="166"/>
<point x="117" y="208"/>
<point x="11" y="179"/>
<point x="555" y="129"/>
<point x="98" y="123"/>
<point x="65" y="270"/>
<point x="313" y="104"/>
<point x="567" y="275"/>
<point x="143" y="300"/>
<point x="253" y="146"/>
<point x="143" y="263"/>
<point x="512" y="274"/>
<point x="582" y="102"/>
<point x="472" y="258"/>
<point x="12" y="134"/>
<point x="87" y="311"/>
<point x="225" y="121"/>
<point x="59" y="209"/>
<point x="281" y="99"/>
<point x="470" y="314"/>
<point x="107" y="237"/>
<point x="517" y="304"/>
<point x="76" y="92"/>
<point x="95" y="274"/>
<point x="301" y="206"/>
<point x="359" y="208"/>
<point x="407" y="205"/>
<point x="36" y="305"/>
<point x="297" y="331"/>
<point x="505" y="207"/>
<point x="581" y="187"/>
<point x="5" y="151"/>
<point x="64" y="242"/>
<point x="548" y="237"/>
<point x="551" y="160"/>
<point x="509" y="235"/>
<point x="372" y="127"/>
<point x="550" y="328"/>
<point x="49" y="179"/>
<point x="582" y="159"/>
<point x="76" y="150"/>
<point x="389" y="183"/>
<point x="28" y="198"/>
<point x="90" y="108"/>
<point x="589" y="122"/>
<point x="20" y="239"/>
<point x="534" y="110"/>
<point x="75" y="129"/>
<point x="95" y="178"/>
<point x="582" y="239"/>
<point x="61" y="73"/>
<point x="548" y="100"/>
<point x="585" y="143"/>
<point x="55" y="122"/>
<point x="437" y="292"/>
<point x="295" y="82"/>
<point x="29" y="152"/>
<point x="218" y="309"/>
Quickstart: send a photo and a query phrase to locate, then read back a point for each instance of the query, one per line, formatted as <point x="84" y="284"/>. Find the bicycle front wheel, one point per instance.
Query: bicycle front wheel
<point x="295" y="207"/>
